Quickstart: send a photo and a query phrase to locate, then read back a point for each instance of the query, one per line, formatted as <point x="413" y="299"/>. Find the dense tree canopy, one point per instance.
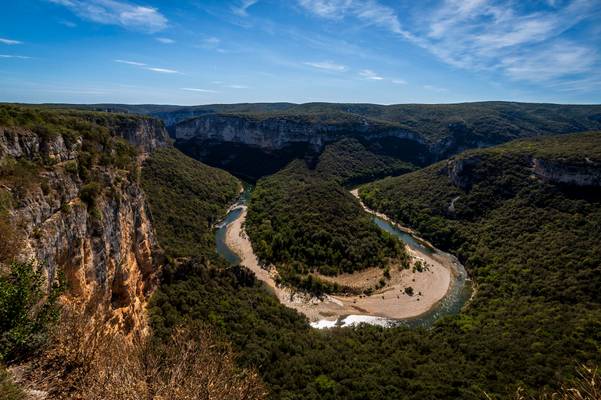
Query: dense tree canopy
<point x="300" y="220"/>
<point x="531" y="246"/>
<point x="186" y="199"/>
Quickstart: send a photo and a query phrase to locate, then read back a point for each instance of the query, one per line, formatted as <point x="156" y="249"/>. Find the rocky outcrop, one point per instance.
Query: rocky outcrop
<point x="458" y="171"/>
<point x="276" y="133"/>
<point x="107" y="249"/>
<point x="583" y="173"/>
<point x="144" y="133"/>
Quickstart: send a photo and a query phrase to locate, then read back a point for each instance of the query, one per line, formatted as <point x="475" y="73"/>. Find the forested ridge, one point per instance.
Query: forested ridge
<point x="492" y="121"/>
<point x="302" y="222"/>
<point x="350" y="162"/>
<point x="186" y="198"/>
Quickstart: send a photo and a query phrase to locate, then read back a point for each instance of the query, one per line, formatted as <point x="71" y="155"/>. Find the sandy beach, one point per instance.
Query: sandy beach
<point x="391" y="301"/>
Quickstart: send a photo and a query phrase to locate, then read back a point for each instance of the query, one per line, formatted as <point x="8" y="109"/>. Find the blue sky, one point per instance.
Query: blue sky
<point x="378" y="51"/>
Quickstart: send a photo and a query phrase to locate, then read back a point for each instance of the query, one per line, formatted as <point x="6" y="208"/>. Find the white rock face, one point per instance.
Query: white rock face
<point x="584" y="173"/>
<point x="276" y="133"/>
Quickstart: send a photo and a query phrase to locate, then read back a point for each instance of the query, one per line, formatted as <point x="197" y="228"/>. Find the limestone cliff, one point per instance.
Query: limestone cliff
<point x="582" y="172"/>
<point x="81" y="211"/>
<point x="458" y="170"/>
<point x="275" y="133"/>
<point x="585" y="172"/>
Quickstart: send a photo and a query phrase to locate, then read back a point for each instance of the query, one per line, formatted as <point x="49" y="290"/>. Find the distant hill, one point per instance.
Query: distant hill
<point x="416" y="133"/>
<point x="172" y="114"/>
<point x="256" y="139"/>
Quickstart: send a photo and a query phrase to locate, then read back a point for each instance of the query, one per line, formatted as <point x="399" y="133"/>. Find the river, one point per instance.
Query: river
<point x="457" y="295"/>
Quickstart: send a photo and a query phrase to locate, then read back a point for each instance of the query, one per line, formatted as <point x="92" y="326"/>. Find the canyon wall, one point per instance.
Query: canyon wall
<point x="98" y="235"/>
<point x="585" y="173"/>
<point x="276" y="133"/>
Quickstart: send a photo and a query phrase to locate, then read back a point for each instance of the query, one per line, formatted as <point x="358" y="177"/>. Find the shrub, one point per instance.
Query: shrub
<point x="89" y="192"/>
<point x="71" y="167"/>
<point x="25" y="310"/>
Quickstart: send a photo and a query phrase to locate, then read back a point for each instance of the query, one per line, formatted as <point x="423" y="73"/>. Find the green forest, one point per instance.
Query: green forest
<point x="350" y="162"/>
<point x="186" y="199"/>
<point x="303" y="222"/>
<point x="536" y="314"/>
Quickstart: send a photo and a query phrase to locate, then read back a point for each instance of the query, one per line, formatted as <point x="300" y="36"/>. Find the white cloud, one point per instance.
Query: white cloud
<point x="162" y="70"/>
<point x="199" y="90"/>
<point x="14" y="56"/>
<point x="146" y="67"/>
<point x="399" y="81"/>
<point x="243" y="6"/>
<point x="488" y="35"/>
<point x="139" y="64"/>
<point x="10" y="42"/>
<point x="562" y="58"/>
<point x="492" y="35"/>
<point x="371" y="75"/>
<point x="237" y="86"/>
<point x="327" y="65"/>
<point x="114" y="12"/>
<point x="369" y="12"/>
<point x="165" y="40"/>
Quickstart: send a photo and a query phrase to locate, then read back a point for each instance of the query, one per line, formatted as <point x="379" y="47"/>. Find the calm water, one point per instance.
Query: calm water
<point x="461" y="286"/>
<point x="222" y="248"/>
<point x="458" y="295"/>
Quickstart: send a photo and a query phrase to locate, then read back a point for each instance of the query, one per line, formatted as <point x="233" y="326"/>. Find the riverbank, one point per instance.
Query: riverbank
<point x="393" y="301"/>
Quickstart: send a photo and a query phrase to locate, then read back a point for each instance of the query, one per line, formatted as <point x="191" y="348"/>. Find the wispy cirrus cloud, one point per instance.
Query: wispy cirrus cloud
<point x="561" y="58"/>
<point x="10" y="42"/>
<point x="493" y="35"/>
<point x="486" y="34"/>
<point x="162" y="70"/>
<point x="165" y="40"/>
<point x="15" y="56"/>
<point x="370" y="75"/>
<point x="241" y="9"/>
<point x="147" y="67"/>
<point x="198" y="90"/>
<point x="237" y="86"/>
<point x="113" y="12"/>
<point x="369" y="12"/>
<point x="139" y="64"/>
<point x="327" y="65"/>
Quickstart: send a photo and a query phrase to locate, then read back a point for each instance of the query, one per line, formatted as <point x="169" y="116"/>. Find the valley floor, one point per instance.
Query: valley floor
<point x="392" y="302"/>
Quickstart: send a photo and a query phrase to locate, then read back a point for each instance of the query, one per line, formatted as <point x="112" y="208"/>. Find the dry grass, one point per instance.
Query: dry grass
<point x="85" y="363"/>
<point x="11" y="240"/>
<point x="586" y="386"/>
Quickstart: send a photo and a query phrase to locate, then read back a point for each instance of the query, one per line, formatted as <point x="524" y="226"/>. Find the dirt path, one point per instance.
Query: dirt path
<point x="429" y="286"/>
